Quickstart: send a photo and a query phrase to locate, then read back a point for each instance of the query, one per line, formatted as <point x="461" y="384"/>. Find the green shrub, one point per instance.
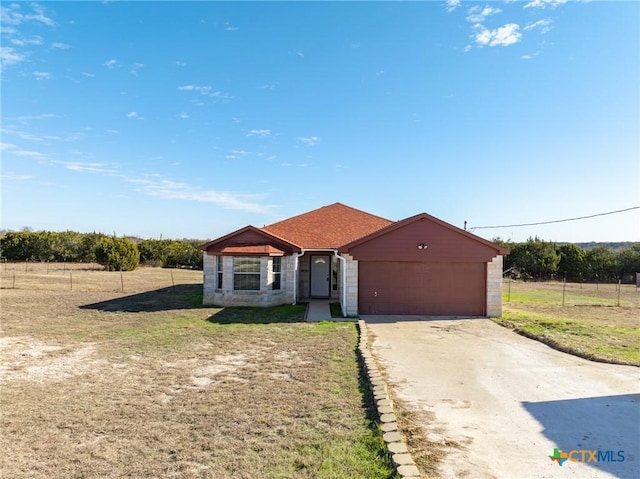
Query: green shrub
<point x="117" y="254"/>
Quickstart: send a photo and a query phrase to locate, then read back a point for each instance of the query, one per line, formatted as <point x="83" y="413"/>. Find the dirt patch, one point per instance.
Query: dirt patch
<point x="26" y="359"/>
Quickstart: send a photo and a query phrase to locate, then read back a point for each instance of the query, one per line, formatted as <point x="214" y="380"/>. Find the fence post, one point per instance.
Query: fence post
<point x="173" y="284"/>
<point x="509" y="292"/>
<point x="619" y="288"/>
<point x="122" y="281"/>
<point x="564" y="287"/>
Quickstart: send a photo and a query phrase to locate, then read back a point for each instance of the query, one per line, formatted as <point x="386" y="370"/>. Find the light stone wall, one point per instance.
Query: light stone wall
<point x="494" y="287"/>
<point x="351" y="308"/>
<point x="266" y="296"/>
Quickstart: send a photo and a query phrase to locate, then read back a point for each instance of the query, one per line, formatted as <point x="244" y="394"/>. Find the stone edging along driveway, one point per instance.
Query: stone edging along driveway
<point x="400" y="455"/>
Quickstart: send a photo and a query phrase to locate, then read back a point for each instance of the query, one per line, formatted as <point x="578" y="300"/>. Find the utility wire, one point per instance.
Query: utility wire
<point x="556" y="221"/>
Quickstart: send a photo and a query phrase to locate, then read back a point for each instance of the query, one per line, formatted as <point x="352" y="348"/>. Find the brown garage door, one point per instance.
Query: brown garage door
<point x="386" y="287"/>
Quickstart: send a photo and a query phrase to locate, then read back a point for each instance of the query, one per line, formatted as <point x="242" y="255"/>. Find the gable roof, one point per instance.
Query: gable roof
<point x="430" y="219"/>
<point x="250" y="240"/>
<point x="327" y="227"/>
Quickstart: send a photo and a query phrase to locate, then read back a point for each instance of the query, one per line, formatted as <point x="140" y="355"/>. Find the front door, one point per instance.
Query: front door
<point x="320" y="269"/>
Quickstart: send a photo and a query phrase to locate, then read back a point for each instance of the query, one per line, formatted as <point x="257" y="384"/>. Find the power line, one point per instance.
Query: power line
<point x="556" y="221"/>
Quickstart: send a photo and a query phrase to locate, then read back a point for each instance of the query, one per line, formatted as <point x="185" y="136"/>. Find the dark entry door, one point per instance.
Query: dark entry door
<point x="320" y="269"/>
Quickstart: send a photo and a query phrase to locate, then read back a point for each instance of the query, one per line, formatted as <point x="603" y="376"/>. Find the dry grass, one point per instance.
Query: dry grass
<point x="147" y="383"/>
<point x="590" y="324"/>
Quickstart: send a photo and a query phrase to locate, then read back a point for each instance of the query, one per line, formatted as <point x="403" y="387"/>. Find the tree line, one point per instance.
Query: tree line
<point x="539" y="260"/>
<point x="114" y="253"/>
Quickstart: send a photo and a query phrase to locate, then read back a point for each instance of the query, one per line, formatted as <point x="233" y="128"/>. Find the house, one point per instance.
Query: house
<point x="370" y="265"/>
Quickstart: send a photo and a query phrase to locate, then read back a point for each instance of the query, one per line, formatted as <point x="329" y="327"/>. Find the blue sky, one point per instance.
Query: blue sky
<point x="193" y="119"/>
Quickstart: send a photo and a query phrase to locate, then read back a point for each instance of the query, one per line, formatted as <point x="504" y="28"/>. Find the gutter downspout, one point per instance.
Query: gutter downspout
<point x="343" y="299"/>
<point x="295" y="276"/>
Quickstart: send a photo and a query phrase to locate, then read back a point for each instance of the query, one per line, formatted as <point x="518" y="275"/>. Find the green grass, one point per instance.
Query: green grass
<point x="552" y="297"/>
<point x="336" y="310"/>
<point x="592" y="340"/>
<point x="286" y="397"/>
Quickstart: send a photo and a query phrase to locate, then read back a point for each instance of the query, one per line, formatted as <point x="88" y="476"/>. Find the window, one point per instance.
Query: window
<point x="246" y="273"/>
<point x="277" y="272"/>
<point x="219" y="271"/>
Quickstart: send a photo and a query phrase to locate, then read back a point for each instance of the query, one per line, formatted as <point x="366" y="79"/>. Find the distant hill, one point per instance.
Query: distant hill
<point x="614" y="245"/>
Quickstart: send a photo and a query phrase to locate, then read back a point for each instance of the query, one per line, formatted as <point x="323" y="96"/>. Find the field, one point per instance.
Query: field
<point x="100" y="382"/>
<point x="599" y="322"/>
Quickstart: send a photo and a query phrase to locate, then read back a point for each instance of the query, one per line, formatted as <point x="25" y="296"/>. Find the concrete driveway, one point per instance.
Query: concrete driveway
<point x="509" y="401"/>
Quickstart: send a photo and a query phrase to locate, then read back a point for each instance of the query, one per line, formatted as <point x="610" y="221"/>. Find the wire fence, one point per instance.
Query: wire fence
<point x="563" y="293"/>
<point x="91" y="277"/>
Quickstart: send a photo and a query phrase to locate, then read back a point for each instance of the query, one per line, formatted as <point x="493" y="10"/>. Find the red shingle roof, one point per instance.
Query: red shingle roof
<point x="328" y="227"/>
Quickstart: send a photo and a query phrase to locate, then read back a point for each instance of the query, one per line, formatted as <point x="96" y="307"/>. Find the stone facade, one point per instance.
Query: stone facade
<point x="266" y="296"/>
<point x="494" y="287"/>
<point x="351" y="308"/>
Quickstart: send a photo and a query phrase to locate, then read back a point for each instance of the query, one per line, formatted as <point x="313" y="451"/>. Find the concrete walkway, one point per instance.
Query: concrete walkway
<point x="318" y="310"/>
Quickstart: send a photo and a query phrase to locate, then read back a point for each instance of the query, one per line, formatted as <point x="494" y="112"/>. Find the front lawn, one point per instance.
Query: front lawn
<point x="104" y="384"/>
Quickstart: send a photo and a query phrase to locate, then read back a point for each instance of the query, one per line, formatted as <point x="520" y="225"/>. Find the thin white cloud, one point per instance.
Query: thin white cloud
<point x="44" y="116"/>
<point x="14" y="177"/>
<point x="39" y="15"/>
<point x="183" y="115"/>
<point x="230" y="28"/>
<point x="542" y="25"/>
<point x="544" y="3"/>
<point x="88" y="75"/>
<point x="479" y="15"/>
<point x="205" y="90"/>
<point x="180" y="64"/>
<point x="7" y="146"/>
<point x="503" y="36"/>
<point x="241" y="152"/>
<point x="60" y="46"/>
<point x="172" y="190"/>
<point x="132" y="114"/>
<point x="42" y="75"/>
<point x="263" y="133"/>
<point x="309" y="141"/>
<point x="10" y="56"/>
<point x="451" y="5"/>
<point x="28" y="153"/>
<point x="202" y="89"/>
<point x="21" y="42"/>
<point x="134" y="69"/>
<point x="111" y="63"/>
<point x="84" y="167"/>
<point x="531" y="56"/>
<point x="12" y="15"/>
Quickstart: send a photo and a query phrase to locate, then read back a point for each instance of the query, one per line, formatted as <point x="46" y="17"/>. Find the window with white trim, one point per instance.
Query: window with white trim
<point x="219" y="272"/>
<point x="246" y="273"/>
<point x="276" y="270"/>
